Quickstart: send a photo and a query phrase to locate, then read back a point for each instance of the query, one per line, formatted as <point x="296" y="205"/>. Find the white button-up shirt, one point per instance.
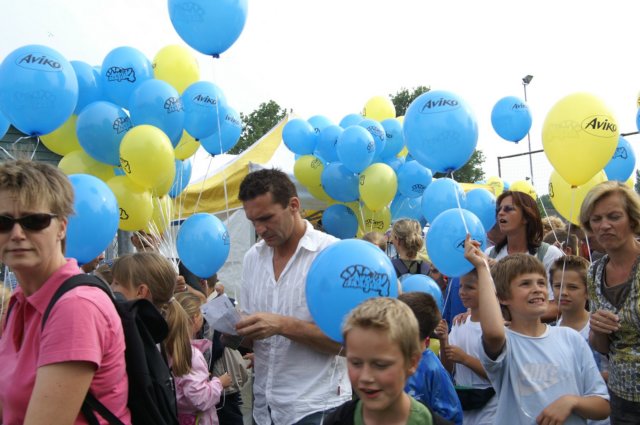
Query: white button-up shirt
<point x="291" y="379"/>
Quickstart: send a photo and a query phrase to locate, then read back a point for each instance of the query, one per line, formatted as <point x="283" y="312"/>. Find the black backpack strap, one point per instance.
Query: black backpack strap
<point x="425" y="267"/>
<point x="399" y="266"/>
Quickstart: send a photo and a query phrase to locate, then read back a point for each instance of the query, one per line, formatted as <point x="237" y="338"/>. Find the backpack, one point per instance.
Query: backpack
<point x="540" y="252"/>
<point x="402" y="269"/>
<point x="152" y="397"/>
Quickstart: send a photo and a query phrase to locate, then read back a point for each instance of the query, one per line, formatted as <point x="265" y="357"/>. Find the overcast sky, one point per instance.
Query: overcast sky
<point x="328" y="57"/>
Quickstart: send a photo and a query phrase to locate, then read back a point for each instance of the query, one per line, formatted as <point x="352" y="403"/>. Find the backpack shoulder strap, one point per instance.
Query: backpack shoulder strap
<point x="542" y="251"/>
<point x="399" y="266"/>
<point x="425" y="267"/>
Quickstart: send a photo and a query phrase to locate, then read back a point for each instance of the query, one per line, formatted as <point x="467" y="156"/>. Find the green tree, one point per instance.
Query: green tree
<point x="402" y="99"/>
<point x="637" y="185"/>
<point x="257" y="124"/>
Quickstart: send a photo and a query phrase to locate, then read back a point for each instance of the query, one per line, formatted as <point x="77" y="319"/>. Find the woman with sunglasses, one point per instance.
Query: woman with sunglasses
<point x="46" y="371"/>
<point x="519" y="221"/>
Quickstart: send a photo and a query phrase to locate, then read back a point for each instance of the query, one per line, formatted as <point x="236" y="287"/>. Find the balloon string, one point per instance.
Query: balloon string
<point x="586" y="239"/>
<point x="464" y="222"/>
<point x="33" y="154"/>
<point x="224" y="174"/>
<point x="195" y="208"/>
<point x="7" y="153"/>
<point x="546" y="214"/>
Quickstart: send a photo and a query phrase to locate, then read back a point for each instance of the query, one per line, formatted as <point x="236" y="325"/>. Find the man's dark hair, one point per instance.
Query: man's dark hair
<point x="265" y="181"/>
<point x="426" y="310"/>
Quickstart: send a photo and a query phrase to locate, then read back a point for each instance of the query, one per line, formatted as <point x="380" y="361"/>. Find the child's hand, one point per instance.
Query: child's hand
<point x="442" y="330"/>
<point x="225" y="380"/>
<point x="473" y="253"/>
<point x="455" y="354"/>
<point x="558" y="411"/>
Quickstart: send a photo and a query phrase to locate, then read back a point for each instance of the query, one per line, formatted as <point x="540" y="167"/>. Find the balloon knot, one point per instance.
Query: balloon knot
<point x="215" y="56"/>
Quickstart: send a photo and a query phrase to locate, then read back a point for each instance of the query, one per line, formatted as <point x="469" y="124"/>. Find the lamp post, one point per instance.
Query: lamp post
<point x="525" y="82"/>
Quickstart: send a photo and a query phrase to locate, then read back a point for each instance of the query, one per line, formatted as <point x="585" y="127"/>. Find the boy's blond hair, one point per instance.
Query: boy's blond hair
<point x="377" y="239"/>
<point x="391" y="316"/>
<point x="512" y="266"/>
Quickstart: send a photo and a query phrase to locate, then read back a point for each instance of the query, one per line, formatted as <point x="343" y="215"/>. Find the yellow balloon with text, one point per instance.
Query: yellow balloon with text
<point x="161" y="216"/>
<point x="378" y="186"/>
<point x="524" y="187"/>
<point x="136" y="207"/>
<point x="579" y="137"/>
<point x="186" y="147"/>
<point x="63" y="140"/>
<point x="566" y="199"/>
<point x="177" y="66"/>
<point x="379" y="108"/>
<point x="147" y="158"/>
<point x="308" y="170"/>
<point x="497" y="184"/>
<point x="373" y="221"/>
<point x="79" y="162"/>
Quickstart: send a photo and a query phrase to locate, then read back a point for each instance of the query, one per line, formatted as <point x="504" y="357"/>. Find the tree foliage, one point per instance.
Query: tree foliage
<point x="637" y="185"/>
<point x="403" y="98"/>
<point x="257" y="124"/>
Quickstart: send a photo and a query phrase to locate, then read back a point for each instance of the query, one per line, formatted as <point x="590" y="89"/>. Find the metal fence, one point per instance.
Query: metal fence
<point x="512" y="168"/>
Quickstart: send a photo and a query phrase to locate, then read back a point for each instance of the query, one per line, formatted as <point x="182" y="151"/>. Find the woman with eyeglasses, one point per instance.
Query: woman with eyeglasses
<point x="519" y="220"/>
<point x="46" y="371"/>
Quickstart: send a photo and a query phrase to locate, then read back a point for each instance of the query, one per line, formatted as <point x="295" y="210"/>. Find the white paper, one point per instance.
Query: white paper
<point x="221" y="314"/>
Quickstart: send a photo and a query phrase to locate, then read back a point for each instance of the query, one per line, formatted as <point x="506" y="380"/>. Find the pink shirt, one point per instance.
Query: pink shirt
<point x="83" y="326"/>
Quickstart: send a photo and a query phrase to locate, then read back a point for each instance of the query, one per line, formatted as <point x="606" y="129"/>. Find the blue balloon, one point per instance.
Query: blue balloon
<point x="89" y="88"/>
<point x="203" y="104"/>
<point x="441" y="195"/>
<point x="95" y="222"/>
<point x="227" y="137"/>
<point x="38" y="89"/>
<point x="340" y="183"/>
<point x="394" y="162"/>
<point x="403" y="207"/>
<point x="423" y="283"/>
<point x="341" y="277"/>
<point x="379" y="136"/>
<point x="123" y="70"/>
<point x="507" y="185"/>
<point x="482" y="203"/>
<point x="621" y="165"/>
<point x="157" y="103"/>
<point x="181" y="180"/>
<point x="394" y="137"/>
<point x="319" y="123"/>
<point x="340" y="221"/>
<point x="445" y="240"/>
<point x="440" y="131"/>
<point x="638" y="119"/>
<point x="326" y="147"/>
<point x="4" y="125"/>
<point x="356" y="148"/>
<point x="100" y="129"/>
<point x="413" y="179"/>
<point x="511" y="118"/>
<point x="203" y="244"/>
<point x="351" y="119"/>
<point x="299" y="136"/>
<point x="209" y="26"/>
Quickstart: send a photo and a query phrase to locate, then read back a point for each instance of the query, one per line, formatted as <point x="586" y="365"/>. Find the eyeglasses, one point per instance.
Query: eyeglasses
<point x="505" y="208"/>
<point x="31" y="222"/>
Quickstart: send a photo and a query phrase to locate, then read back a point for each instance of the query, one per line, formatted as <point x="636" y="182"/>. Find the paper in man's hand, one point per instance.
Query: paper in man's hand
<point x="221" y="314"/>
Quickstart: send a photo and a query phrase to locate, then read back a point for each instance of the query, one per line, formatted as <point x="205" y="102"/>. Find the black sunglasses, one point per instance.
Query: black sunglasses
<point x="32" y="222"/>
<point x="505" y="208"/>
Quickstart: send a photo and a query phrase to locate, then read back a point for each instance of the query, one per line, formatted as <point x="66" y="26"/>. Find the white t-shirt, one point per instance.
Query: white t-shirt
<point x="468" y="336"/>
<point x="532" y="372"/>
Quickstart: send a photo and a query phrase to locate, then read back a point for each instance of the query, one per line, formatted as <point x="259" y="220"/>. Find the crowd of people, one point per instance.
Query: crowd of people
<point x="545" y="329"/>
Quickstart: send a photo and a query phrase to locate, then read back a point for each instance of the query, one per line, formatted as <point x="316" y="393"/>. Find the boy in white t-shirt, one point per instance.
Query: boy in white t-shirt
<point x="542" y="374"/>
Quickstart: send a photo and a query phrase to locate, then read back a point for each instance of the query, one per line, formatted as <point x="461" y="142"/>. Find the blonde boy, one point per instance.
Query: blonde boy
<point x="542" y="374"/>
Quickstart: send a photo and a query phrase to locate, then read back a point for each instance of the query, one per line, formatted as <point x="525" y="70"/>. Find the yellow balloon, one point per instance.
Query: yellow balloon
<point x="403" y="153"/>
<point x="579" y="136"/>
<point x="317" y="191"/>
<point x="146" y="156"/>
<point x="308" y="169"/>
<point x="497" y="184"/>
<point x="64" y="139"/>
<point x="566" y="199"/>
<point x="134" y="201"/>
<point x="187" y="146"/>
<point x="177" y="66"/>
<point x="524" y="187"/>
<point x="378" y="186"/>
<point x="631" y="181"/>
<point x="373" y="221"/>
<point x="379" y="108"/>
<point x="161" y="216"/>
<point x="163" y="188"/>
<point x="79" y="162"/>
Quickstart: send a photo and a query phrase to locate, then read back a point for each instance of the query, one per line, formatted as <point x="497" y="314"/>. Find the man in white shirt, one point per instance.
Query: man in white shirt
<point x="298" y="372"/>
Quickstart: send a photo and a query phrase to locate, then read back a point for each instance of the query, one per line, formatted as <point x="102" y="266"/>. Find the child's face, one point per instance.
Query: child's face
<point x="468" y="291"/>
<point x="377" y="369"/>
<point x="574" y="290"/>
<point x="529" y="296"/>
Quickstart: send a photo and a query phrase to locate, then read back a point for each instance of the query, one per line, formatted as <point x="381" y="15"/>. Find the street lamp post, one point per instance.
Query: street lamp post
<point x="525" y="82"/>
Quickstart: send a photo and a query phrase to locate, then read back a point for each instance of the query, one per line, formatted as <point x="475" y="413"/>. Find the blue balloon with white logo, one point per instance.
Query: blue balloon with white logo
<point x="445" y="240"/>
<point x="423" y="283"/>
<point x="622" y="163"/>
<point x="123" y="70"/>
<point x="209" y="26"/>
<point x="482" y="203"/>
<point x="350" y="119"/>
<point x="356" y="148"/>
<point x="89" y="88"/>
<point x="511" y="118"/>
<point x="341" y="277"/>
<point x="379" y="136"/>
<point x="181" y="180"/>
<point x="413" y="179"/>
<point x="441" y="195"/>
<point x="203" y="104"/>
<point x="94" y="224"/>
<point x="299" y="136"/>
<point x="326" y="147"/>
<point x="340" y="221"/>
<point x="100" y="128"/>
<point x="203" y="244"/>
<point x="340" y="183"/>
<point x="157" y="103"/>
<point x="227" y="136"/>
<point x="394" y="138"/>
<point x="440" y="131"/>
<point x="38" y="89"/>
